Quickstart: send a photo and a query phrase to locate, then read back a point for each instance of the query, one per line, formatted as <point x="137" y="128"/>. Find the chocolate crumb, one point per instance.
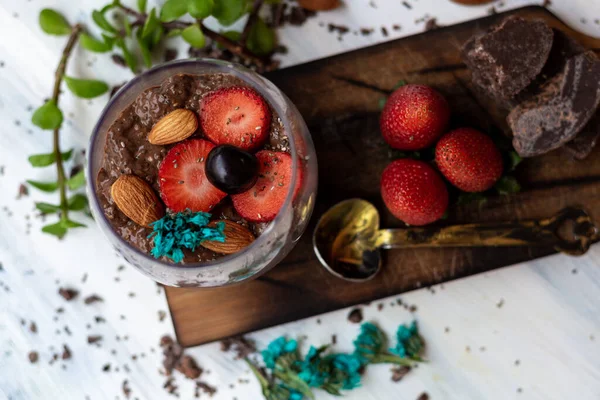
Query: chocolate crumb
<point x="161" y="315"/>
<point x="355" y="316"/>
<point x="94" y="339"/>
<point x="500" y="303"/>
<point x="68" y="294"/>
<point x="366" y="31"/>
<point x="126" y="389"/>
<point x="396" y="27"/>
<point x="66" y="354"/>
<point x="519" y="390"/>
<point x="399" y="373"/>
<point x="99" y="319"/>
<point x="547" y="3"/>
<point x="423" y="396"/>
<point x="33" y="327"/>
<point x="92" y="299"/>
<point x="447" y="329"/>
<point x="384" y="31"/>
<point x="115" y="89"/>
<point x="106" y="368"/>
<point x="67" y="330"/>
<point x="206" y="388"/>
<point x="33" y="357"/>
<point x="340" y="29"/>
<point x="333" y="339"/>
<point x="407" y="5"/>
<point x="412" y="308"/>
<point x="23" y="191"/>
<point x="84" y="278"/>
<point x="170" y="54"/>
<point x="318" y="321"/>
<point x="171" y="387"/>
<point x="517" y="362"/>
<point x="119" y="60"/>
<point x="379" y="306"/>
<point x="431" y="24"/>
<point x="188" y="367"/>
<point x="241" y="346"/>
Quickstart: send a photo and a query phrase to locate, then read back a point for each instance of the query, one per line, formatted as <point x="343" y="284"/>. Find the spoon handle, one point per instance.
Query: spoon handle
<point x="570" y="231"/>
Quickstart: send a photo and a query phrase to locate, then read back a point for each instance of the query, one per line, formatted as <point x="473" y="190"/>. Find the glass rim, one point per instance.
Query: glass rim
<point x="246" y="75"/>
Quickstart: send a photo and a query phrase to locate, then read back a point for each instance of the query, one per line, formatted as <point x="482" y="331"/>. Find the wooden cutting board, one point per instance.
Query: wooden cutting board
<point x="339" y="99"/>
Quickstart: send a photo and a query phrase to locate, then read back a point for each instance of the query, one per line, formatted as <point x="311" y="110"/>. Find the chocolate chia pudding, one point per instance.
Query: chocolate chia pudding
<point x="128" y="152"/>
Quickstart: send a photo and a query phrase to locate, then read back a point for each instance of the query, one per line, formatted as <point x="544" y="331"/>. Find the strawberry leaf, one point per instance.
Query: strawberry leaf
<point x="228" y="11"/>
<point x="507" y="185"/>
<point x="53" y="23"/>
<point x="86" y="88"/>
<point x="151" y="24"/>
<point x="72" y="224"/>
<point x="141" y="5"/>
<point x="102" y="22"/>
<point x="47" y="116"/>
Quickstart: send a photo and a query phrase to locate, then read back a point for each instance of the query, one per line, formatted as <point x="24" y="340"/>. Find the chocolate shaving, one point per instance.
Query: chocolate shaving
<point x="33" y="327"/>
<point x="399" y="373"/>
<point x="94" y="339"/>
<point x="206" y="388"/>
<point x="355" y="316"/>
<point x="66" y="354"/>
<point x="241" y="346"/>
<point x="33" y="357"/>
<point x="126" y="389"/>
<point x="68" y="294"/>
<point x="188" y="367"/>
<point x="23" y="191"/>
<point x="92" y="299"/>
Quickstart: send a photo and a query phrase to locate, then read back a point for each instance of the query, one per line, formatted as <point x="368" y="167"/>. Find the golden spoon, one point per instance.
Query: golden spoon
<point x="347" y="238"/>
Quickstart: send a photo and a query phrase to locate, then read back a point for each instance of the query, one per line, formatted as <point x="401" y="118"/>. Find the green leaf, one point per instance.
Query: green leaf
<point x="95" y="45"/>
<point x="76" y="181"/>
<point x="56" y="229"/>
<point x="72" y="224"/>
<point x="145" y="50"/>
<point x="48" y="187"/>
<point x="507" y="185"/>
<point x="514" y="159"/>
<point x="127" y="26"/>
<point x="381" y="103"/>
<point x="399" y="84"/>
<point x="44" y="160"/>
<point x="102" y="22"/>
<point x="229" y="11"/>
<point x="172" y="10"/>
<point x="234" y="36"/>
<point x="54" y="23"/>
<point x="86" y="88"/>
<point x="47" y="208"/>
<point x="127" y="55"/>
<point x="141" y="5"/>
<point x="200" y="8"/>
<point x="47" y="116"/>
<point x="78" y="202"/>
<point x="194" y="36"/>
<point x="261" y="40"/>
<point x="174" y="32"/>
<point x="151" y="24"/>
<point x="157" y="35"/>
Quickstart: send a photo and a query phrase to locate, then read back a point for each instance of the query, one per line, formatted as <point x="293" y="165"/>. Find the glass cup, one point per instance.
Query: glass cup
<point x="277" y="239"/>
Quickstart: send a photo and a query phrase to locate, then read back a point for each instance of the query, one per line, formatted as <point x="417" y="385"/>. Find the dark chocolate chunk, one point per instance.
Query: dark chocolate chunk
<point x="507" y="58"/>
<point x="399" y="373"/>
<point x="560" y="110"/>
<point x="584" y="142"/>
<point x="33" y="357"/>
<point x="355" y="316"/>
<point x="188" y="367"/>
<point x="67" y="293"/>
<point x="92" y="299"/>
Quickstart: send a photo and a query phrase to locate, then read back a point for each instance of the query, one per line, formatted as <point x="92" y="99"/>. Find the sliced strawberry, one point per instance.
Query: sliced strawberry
<point x="265" y="199"/>
<point x="236" y="115"/>
<point x="182" y="180"/>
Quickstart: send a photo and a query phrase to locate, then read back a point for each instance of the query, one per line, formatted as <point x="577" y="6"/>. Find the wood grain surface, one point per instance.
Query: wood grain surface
<point x="339" y="98"/>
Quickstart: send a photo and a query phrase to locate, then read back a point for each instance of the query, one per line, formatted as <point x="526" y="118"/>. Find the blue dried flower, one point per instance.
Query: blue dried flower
<point x="369" y="342"/>
<point x="409" y="342"/>
<point x="312" y="370"/>
<point x="276" y="349"/>
<point x="183" y="230"/>
<point x="349" y="365"/>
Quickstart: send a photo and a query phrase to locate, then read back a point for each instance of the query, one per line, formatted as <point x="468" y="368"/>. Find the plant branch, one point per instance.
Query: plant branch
<point x="236" y="48"/>
<point x="251" y="20"/>
<point x="59" y="75"/>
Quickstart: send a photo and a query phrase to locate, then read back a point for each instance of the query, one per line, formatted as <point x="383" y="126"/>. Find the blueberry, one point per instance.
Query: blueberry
<point x="231" y="169"/>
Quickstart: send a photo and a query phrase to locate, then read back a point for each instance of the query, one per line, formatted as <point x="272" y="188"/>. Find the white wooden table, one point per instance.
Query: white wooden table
<point x="531" y="331"/>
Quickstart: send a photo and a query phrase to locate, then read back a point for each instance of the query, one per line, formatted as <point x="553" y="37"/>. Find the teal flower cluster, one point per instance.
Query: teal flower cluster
<point x="292" y="377"/>
<point x="183" y="230"/>
<point x="409" y="342"/>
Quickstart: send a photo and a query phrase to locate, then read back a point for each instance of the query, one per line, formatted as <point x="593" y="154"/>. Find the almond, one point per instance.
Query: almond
<point x="319" y="5"/>
<point x="174" y="127"/>
<point x="237" y="237"/>
<point x="136" y="199"/>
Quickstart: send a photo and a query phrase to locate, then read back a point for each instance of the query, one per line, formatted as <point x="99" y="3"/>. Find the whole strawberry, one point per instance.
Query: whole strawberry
<point x="469" y="160"/>
<point x="414" y="192"/>
<point x="414" y="117"/>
